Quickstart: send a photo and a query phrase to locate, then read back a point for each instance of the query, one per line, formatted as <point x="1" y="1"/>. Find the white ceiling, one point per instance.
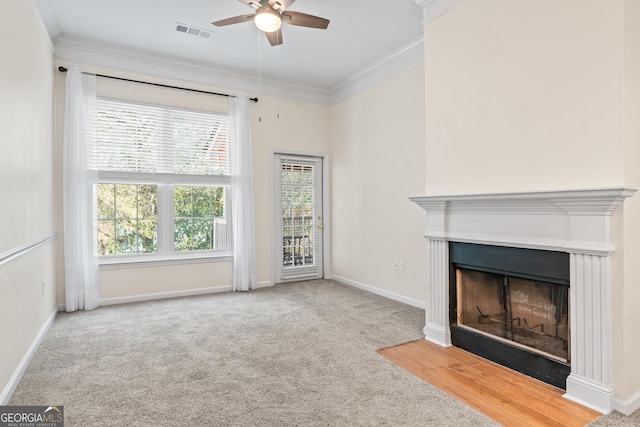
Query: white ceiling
<point x="361" y="32"/>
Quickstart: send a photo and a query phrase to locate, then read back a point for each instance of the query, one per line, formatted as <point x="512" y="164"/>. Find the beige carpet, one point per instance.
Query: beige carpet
<point x="301" y="354"/>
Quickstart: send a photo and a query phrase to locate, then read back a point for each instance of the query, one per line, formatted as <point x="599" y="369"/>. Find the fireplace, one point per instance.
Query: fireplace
<point x="511" y="306"/>
<point x="577" y="224"/>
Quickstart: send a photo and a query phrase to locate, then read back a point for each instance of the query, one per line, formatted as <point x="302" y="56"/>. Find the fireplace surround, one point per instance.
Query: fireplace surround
<point x="577" y="223"/>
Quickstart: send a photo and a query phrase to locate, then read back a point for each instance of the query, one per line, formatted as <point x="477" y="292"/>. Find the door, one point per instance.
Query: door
<point x="299" y="218"/>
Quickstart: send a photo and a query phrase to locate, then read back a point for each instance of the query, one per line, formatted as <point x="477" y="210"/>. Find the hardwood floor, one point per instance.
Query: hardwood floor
<point x="510" y="398"/>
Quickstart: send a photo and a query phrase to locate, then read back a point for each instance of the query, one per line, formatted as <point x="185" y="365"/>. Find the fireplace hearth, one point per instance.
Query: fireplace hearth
<point x="511" y="306"/>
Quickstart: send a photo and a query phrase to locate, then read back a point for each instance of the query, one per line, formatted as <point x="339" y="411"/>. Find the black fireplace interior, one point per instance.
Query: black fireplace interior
<point x="511" y="306"/>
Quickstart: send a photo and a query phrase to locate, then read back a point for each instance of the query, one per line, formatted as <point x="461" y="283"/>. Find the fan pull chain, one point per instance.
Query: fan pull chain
<point x="259" y="65"/>
<point x="278" y="83"/>
<point x="259" y="69"/>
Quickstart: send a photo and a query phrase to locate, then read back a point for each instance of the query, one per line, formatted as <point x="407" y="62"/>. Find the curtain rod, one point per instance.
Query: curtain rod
<point x="64" y="70"/>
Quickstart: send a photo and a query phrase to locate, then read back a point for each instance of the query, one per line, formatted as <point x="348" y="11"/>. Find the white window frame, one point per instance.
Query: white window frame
<point x="166" y="181"/>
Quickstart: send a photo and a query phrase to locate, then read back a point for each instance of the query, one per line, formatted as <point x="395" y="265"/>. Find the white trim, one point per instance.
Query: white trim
<point x="69" y="51"/>
<point x="136" y="60"/>
<point x="628" y="406"/>
<point x="437" y="334"/>
<point x="574" y="221"/>
<point x="273" y="210"/>
<point x="172" y="294"/>
<point x="528" y="243"/>
<point x="293" y="152"/>
<point x="14" y="253"/>
<point x="144" y="260"/>
<point x="569" y="220"/>
<point x="433" y="9"/>
<point x="48" y="23"/>
<point x="437" y="317"/>
<point x="591" y="378"/>
<point x="589" y="393"/>
<point x="408" y="55"/>
<point x="391" y="295"/>
<point x="165" y="295"/>
<point x="265" y="284"/>
<point x="24" y="363"/>
<point x="110" y="177"/>
<point x="592" y="201"/>
<point x="326" y="208"/>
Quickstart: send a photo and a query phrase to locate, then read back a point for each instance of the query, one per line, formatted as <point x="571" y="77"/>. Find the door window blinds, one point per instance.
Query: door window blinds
<point x="300" y="187"/>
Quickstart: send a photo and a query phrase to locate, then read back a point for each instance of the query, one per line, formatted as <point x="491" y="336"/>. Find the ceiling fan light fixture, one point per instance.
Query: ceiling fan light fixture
<point x="268" y="20"/>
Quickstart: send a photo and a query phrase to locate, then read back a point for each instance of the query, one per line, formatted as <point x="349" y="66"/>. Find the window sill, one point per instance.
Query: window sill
<point x="137" y="261"/>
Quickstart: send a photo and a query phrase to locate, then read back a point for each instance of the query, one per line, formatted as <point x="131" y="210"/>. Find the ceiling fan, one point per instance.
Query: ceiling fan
<point x="270" y="14"/>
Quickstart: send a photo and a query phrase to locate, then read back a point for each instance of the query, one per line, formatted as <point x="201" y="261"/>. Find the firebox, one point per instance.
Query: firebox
<point x="511" y="306"/>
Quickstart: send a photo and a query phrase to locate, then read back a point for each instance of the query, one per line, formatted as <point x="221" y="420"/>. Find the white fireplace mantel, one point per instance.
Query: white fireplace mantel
<point x="576" y="222"/>
<point x="570" y="221"/>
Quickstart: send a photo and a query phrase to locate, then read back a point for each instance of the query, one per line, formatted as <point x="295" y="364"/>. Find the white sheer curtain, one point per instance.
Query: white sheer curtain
<point x="80" y="261"/>
<point x="244" y="241"/>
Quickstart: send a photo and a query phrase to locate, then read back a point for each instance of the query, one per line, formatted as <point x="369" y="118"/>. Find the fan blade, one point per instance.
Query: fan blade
<point x="275" y="37"/>
<point x="304" y="20"/>
<point x="234" y="20"/>
<point x="280" y="4"/>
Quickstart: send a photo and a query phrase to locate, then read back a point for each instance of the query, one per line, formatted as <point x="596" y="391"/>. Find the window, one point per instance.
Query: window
<point x="127" y="219"/>
<point x="199" y="221"/>
<point x="163" y="179"/>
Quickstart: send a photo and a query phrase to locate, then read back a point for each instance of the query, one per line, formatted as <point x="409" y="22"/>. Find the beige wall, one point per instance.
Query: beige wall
<point x="377" y="152"/>
<point x="301" y="127"/>
<point x="628" y="375"/>
<point x="277" y="124"/>
<point x="26" y="186"/>
<point x="524" y="97"/>
<point x="528" y="96"/>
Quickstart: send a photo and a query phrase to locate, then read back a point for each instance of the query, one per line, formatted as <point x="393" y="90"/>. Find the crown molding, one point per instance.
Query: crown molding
<point x="46" y="17"/>
<point x="96" y="53"/>
<point x="433" y="9"/>
<point x="408" y="55"/>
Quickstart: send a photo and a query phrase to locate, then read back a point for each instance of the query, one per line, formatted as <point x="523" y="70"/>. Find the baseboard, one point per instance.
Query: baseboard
<point x="589" y="393"/>
<point x="386" y="294"/>
<point x="628" y="406"/>
<point x="172" y="294"/>
<point x="164" y="295"/>
<point x="437" y="334"/>
<point x="22" y="366"/>
<point x="264" y="284"/>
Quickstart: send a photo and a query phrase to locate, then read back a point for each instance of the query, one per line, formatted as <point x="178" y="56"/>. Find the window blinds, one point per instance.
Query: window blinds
<point x="139" y="138"/>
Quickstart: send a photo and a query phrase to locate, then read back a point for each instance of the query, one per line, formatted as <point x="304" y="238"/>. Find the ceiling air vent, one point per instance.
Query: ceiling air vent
<point x="194" y="31"/>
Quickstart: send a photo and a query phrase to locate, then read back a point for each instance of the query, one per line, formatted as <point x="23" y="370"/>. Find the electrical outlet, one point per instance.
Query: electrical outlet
<point x="401" y="266"/>
<point x="42" y="286"/>
<point x="395" y="264"/>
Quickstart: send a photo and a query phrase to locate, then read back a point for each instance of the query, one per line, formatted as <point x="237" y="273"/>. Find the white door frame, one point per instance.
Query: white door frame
<point x="275" y="211"/>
